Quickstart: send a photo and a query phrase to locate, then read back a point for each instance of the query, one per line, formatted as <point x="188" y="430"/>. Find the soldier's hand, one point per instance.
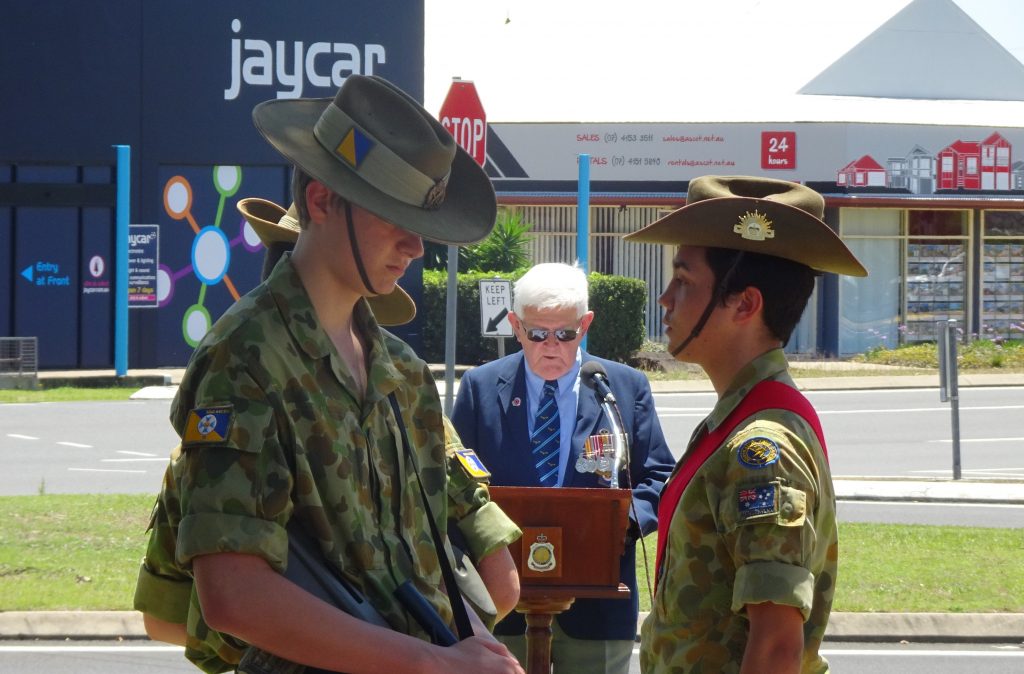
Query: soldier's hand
<point x="481" y="656"/>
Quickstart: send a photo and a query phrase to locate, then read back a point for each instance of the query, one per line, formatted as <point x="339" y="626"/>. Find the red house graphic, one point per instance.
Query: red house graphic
<point x="973" y="165"/>
<point x="863" y="172"/>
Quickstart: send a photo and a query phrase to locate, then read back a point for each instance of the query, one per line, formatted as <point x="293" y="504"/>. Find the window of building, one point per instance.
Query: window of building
<point x="1002" y="277"/>
<point x="917" y="264"/>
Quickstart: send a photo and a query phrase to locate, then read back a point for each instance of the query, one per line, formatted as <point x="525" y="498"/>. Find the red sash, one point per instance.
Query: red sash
<point x="766" y="395"/>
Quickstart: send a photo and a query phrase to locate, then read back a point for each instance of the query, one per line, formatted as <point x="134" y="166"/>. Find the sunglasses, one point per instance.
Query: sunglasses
<point x="541" y="335"/>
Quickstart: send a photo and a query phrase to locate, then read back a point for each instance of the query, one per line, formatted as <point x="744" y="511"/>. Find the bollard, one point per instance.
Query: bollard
<point x="949" y="390"/>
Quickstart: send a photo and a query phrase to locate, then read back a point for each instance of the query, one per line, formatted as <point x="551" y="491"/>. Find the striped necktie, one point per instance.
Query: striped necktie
<point x="547" y="431"/>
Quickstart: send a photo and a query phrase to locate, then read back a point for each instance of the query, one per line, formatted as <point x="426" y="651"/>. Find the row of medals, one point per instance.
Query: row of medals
<point x="598" y="455"/>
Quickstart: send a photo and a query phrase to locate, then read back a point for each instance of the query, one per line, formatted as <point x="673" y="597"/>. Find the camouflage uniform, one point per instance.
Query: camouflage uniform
<point x="721" y="556"/>
<point x="271" y="432"/>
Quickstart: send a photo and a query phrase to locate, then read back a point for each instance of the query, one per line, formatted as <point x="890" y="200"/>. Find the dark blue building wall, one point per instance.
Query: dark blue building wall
<point x="168" y="79"/>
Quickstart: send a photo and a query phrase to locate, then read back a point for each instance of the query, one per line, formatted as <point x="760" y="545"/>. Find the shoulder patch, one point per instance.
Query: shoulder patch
<point x="758" y="452"/>
<point x="472" y="463"/>
<point x="756" y="501"/>
<point x="208" y="425"/>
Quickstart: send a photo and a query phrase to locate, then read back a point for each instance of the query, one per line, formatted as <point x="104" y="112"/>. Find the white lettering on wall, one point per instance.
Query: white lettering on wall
<point x="289" y="66"/>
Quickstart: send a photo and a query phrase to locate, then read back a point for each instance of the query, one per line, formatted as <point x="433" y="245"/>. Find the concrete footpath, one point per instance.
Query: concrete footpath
<point x="876" y="627"/>
<point x="1006" y="628"/>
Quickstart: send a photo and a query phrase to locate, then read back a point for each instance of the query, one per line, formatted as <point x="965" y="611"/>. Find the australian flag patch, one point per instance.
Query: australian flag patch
<point x="758" y="500"/>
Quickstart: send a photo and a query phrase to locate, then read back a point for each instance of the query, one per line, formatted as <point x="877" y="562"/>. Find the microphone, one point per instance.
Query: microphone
<point x="594" y="377"/>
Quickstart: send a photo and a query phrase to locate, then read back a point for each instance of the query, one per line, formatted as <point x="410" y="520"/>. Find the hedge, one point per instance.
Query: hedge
<point x="618" y="330"/>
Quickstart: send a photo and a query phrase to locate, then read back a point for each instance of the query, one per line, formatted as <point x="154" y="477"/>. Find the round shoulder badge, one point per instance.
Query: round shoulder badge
<point x="758" y="452"/>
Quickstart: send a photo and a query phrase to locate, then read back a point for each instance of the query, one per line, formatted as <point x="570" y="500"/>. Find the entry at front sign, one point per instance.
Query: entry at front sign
<point x="495" y="305"/>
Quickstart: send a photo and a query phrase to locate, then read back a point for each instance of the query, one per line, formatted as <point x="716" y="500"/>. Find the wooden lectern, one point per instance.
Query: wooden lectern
<point x="572" y="542"/>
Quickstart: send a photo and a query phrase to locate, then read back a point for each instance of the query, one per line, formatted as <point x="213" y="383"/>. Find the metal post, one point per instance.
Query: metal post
<point x="954" y="394"/>
<point x="451" y="307"/>
<point x="949" y="390"/>
<point x="124" y="168"/>
<point x="583" y="220"/>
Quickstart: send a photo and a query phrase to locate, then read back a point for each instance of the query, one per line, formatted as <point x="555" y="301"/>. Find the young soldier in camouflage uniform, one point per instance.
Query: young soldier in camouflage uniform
<point x="284" y="409"/>
<point x="747" y="528"/>
<point x="165" y="591"/>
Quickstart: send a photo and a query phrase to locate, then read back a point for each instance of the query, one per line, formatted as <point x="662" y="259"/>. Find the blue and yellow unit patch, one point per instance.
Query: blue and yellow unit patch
<point x="208" y="425"/>
<point x="758" y="452"/>
<point x="354" y="147"/>
<point x="472" y="463"/>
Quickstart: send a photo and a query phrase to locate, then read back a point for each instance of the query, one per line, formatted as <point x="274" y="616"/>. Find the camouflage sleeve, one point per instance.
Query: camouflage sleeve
<point x="484" y="526"/>
<point x="163" y="588"/>
<point x="235" y="480"/>
<point x="766" y="513"/>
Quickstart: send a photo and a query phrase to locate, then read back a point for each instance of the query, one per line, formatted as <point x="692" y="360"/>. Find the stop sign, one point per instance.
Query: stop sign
<point x="463" y="116"/>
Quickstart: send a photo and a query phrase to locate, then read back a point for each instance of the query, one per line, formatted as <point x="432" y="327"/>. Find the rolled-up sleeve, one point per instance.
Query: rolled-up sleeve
<point x="235" y="486"/>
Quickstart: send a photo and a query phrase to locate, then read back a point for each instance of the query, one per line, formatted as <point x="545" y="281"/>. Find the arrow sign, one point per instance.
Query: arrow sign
<point x="492" y="324"/>
<point x="27" y="272"/>
<point x="495" y="303"/>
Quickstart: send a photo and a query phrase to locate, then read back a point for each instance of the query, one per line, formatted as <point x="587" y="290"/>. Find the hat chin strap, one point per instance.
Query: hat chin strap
<point x="356" y="255"/>
<point x="716" y="297"/>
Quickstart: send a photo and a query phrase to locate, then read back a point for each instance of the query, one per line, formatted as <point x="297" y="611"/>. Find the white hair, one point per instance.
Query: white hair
<point x="551" y="285"/>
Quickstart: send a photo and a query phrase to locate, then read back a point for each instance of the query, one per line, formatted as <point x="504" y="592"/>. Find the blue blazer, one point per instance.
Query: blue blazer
<point x="489" y="422"/>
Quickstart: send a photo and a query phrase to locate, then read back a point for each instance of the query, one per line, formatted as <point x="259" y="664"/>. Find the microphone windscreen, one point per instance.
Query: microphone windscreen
<point x="589" y="369"/>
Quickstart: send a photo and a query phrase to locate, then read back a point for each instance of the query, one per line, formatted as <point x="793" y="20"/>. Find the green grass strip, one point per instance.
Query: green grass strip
<point x="910" y="568"/>
<point x="82" y="552"/>
<point x="66" y="394"/>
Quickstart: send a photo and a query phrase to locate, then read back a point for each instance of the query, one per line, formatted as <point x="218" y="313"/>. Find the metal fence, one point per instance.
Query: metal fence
<point x="554" y="240"/>
<point x="19" y="362"/>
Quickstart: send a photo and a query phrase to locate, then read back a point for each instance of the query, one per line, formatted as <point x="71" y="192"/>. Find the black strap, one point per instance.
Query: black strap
<point x="462" y="623"/>
<point x="716" y="297"/>
<point x="354" y="242"/>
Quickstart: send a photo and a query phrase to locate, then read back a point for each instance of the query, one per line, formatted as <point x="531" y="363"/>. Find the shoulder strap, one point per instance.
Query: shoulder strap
<point x="766" y="395"/>
<point x="462" y="623"/>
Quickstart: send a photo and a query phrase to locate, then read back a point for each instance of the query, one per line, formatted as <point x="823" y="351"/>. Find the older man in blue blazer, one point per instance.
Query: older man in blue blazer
<point x="529" y="416"/>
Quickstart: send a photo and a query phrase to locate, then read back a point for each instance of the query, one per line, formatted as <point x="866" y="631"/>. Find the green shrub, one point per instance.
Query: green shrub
<point x="617" y="331"/>
<point x="471" y="348"/>
<point x="974" y="355"/>
<point x="619" y="305"/>
<point x="506" y="248"/>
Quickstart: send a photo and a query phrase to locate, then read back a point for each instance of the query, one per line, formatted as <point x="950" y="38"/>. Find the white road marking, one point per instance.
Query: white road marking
<point x="104" y="470"/>
<point x="903" y="410"/>
<point x="908" y="653"/>
<point x="932" y="504"/>
<point x="125" y="451"/>
<point x="962" y="440"/>
<point x="945" y="653"/>
<point x="157" y="458"/>
<point x="89" y="649"/>
<point x="75" y="444"/>
<point x="18" y="436"/>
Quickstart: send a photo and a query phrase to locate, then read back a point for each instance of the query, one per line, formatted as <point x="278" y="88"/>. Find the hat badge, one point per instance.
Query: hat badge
<point x="754" y="227"/>
<point x="435" y="196"/>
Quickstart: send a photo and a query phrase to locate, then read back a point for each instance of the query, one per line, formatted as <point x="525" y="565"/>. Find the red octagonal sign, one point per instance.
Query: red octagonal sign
<point x="463" y="116"/>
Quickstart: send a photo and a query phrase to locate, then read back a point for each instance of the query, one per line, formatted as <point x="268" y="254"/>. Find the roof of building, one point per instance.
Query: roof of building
<point x="929" y="50"/>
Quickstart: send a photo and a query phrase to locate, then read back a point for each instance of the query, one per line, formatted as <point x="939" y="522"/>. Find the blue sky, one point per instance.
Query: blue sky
<point x="645" y="60"/>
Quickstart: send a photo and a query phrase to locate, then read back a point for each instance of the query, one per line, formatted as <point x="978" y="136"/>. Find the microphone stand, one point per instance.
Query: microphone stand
<point x="620" y="442"/>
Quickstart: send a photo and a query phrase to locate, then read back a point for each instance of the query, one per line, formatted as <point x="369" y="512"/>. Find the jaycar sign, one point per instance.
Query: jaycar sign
<point x="463" y="116"/>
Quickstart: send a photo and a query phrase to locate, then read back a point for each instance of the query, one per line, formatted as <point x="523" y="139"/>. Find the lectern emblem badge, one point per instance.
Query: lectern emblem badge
<point x="542" y="555"/>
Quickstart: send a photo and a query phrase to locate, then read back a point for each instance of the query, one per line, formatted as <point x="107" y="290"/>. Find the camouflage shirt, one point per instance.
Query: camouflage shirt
<point x="725" y="552"/>
<point x="270" y="429"/>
